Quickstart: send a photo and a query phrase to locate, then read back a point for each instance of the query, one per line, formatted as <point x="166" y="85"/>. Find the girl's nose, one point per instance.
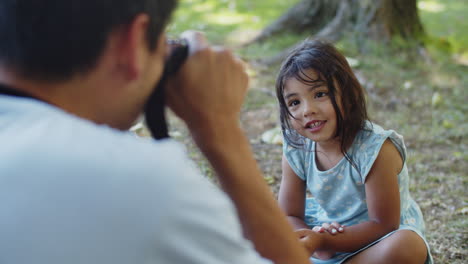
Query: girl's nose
<point x="309" y="109"/>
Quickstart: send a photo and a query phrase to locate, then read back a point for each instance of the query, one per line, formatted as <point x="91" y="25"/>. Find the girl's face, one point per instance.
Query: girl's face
<point x="310" y="105"/>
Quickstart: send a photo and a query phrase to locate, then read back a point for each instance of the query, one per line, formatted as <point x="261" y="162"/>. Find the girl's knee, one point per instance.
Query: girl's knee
<point x="405" y="246"/>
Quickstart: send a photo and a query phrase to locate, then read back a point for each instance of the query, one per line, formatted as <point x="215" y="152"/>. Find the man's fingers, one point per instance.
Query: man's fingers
<point x="301" y="233"/>
<point x="238" y="63"/>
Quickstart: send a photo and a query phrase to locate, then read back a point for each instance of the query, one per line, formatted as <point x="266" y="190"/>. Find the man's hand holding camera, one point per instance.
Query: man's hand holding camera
<point x="209" y="88"/>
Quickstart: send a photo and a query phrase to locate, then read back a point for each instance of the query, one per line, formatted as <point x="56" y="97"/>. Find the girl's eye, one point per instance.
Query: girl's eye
<point x="320" y="94"/>
<point x="293" y="103"/>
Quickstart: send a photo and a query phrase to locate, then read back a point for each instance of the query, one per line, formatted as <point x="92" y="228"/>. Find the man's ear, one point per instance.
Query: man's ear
<point x="133" y="47"/>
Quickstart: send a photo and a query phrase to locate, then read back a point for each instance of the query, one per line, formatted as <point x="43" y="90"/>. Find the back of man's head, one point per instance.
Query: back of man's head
<point x="54" y="39"/>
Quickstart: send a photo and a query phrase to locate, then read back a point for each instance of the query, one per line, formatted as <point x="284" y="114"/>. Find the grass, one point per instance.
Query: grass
<point x="226" y="21"/>
<point x="422" y="97"/>
<point x="445" y="22"/>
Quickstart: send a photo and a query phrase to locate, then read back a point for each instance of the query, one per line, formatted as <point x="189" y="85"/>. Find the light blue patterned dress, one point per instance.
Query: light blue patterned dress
<point x="339" y="193"/>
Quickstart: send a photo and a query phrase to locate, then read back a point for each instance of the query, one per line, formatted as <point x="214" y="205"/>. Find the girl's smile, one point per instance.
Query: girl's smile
<point x="313" y="115"/>
<point x="315" y="125"/>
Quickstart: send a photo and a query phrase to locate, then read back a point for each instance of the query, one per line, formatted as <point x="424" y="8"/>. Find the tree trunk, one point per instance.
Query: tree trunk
<point x="381" y="20"/>
<point x="307" y="15"/>
<point x="400" y="18"/>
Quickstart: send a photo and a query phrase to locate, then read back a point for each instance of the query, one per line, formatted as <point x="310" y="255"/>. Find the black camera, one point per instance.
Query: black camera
<point x="155" y="115"/>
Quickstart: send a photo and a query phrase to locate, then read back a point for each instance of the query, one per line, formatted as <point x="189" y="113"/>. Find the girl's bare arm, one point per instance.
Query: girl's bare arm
<point x="292" y="194"/>
<point x="383" y="202"/>
<point x="291" y="198"/>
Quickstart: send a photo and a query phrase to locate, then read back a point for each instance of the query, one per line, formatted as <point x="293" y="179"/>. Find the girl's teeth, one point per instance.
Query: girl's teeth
<point x="314" y="124"/>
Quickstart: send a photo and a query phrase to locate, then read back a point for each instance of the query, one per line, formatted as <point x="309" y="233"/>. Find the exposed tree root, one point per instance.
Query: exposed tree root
<point x="331" y="32"/>
<point x="329" y="20"/>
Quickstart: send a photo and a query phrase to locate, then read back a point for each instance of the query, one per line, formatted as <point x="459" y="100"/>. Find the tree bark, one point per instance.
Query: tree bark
<point x="307" y="15"/>
<point x="380" y="20"/>
<point x="401" y="18"/>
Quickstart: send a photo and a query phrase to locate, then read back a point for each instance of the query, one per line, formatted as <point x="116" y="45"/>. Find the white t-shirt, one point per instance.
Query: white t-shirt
<point x="73" y="192"/>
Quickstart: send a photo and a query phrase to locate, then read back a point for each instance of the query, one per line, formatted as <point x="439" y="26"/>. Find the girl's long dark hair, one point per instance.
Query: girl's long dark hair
<point x="334" y="70"/>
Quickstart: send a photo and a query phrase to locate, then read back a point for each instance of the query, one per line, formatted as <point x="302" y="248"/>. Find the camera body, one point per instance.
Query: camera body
<point x="155" y="115"/>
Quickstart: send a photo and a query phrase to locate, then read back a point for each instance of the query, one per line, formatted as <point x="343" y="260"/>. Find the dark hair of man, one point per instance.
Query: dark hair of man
<point x="333" y="70"/>
<point x="55" y="39"/>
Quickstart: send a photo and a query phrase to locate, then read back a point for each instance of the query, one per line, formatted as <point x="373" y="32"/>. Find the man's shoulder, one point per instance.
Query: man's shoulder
<point x="50" y="140"/>
<point x="56" y="151"/>
<point x="104" y="149"/>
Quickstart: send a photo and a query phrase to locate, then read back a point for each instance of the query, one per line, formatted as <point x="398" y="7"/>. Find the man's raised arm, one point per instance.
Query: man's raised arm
<point x="207" y="94"/>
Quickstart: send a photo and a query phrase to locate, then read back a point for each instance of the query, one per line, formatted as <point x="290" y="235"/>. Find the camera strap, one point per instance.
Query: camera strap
<point x="155" y="107"/>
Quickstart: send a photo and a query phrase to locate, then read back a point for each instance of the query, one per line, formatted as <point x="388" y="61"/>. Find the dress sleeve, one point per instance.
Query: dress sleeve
<point x="369" y="144"/>
<point x="297" y="157"/>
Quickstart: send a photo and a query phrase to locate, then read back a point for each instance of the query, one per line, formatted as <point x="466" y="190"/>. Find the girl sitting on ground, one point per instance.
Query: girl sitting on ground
<point x="360" y="210"/>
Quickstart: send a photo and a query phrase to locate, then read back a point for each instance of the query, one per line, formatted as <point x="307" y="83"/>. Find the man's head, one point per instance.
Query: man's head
<point x="98" y="59"/>
<point x="55" y="39"/>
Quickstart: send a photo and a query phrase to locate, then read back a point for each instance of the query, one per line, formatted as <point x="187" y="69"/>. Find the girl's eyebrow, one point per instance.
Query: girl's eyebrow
<point x="287" y="96"/>
<point x="311" y="88"/>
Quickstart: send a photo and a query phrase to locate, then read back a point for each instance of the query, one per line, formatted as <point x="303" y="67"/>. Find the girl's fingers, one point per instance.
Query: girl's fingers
<point x="338" y="227"/>
<point x="330" y="228"/>
<point x="318" y="229"/>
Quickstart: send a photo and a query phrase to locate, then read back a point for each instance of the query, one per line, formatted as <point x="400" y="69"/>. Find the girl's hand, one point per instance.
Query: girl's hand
<point x="332" y="228"/>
